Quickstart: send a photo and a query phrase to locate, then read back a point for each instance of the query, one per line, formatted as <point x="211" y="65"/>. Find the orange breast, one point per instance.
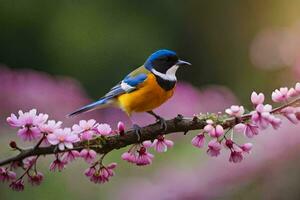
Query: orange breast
<point x="148" y="96"/>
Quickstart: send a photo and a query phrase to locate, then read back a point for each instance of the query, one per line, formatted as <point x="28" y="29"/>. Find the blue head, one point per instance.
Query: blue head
<point x="163" y="60"/>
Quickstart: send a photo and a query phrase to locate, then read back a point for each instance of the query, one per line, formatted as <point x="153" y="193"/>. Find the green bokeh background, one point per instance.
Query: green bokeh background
<point x="98" y="42"/>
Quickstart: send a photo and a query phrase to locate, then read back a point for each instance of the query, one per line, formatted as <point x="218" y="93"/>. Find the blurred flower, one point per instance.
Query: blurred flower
<point x="246" y="147"/>
<point x="236" y="157"/>
<point x="6" y="175"/>
<point x="36" y="178"/>
<point x="37" y="90"/>
<point x="275" y="121"/>
<point x="276" y="47"/>
<point x="17" y="185"/>
<point x="290" y="113"/>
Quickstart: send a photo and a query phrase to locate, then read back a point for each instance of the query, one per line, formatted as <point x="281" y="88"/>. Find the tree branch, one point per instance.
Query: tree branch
<point x="104" y="145"/>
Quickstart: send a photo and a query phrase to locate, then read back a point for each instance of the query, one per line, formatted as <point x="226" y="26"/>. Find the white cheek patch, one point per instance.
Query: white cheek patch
<point x="126" y="87"/>
<point x="170" y="74"/>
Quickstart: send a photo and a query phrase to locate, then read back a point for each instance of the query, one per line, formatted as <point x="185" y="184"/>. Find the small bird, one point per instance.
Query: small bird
<point x="144" y="89"/>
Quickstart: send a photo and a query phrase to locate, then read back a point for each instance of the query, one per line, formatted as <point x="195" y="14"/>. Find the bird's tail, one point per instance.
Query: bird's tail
<point x="101" y="103"/>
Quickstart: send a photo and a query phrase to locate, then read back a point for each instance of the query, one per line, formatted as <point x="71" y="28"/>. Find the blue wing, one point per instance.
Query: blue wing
<point x="127" y="85"/>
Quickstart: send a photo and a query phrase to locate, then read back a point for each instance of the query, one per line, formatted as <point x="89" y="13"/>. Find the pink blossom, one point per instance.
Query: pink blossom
<point x="58" y="164"/>
<point x="280" y="95"/>
<point x="139" y="156"/>
<point x="104" y="129"/>
<point x="13" y="121"/>
<point x="89" y="171"/>
<point x="29" y="133"/>
<point x="214" y="148"/>
<point x="290" y="113"/>
<point x="103" y="174"/>
<point x="292" y="93"/>
<point x="257" y="99"/>
<point x="235" y="157"/>
<point x="229" y="143"/>
<point x="86" y="129"/>
<point x="121" y="128"/>
<point x="36" y="178"/>
<point x="50" y="126"/>
<point x="143" y="157"/>
<point x="27" y="118"/>
<point x="235" y="111"/>
<point x="261" y="115"/>
<point x="28" y="123"/>
<point x="147" y="144"/>
<point x="6" y="175"/>
<point x="70" y="156"/>
<point x="275" y="121"/>
<point x="216" y="131"/>
<point x="161" y="144"/>
<point x="17" y="185"/>
<point x="63" y="138"/>
<point x="248" y="129"/>
<point x="129" y="157"/>
<point x="198" y="140"/>
<point x="88" y="155"/>
<point x="246" y="147"/>
<point x="29" y="161"/>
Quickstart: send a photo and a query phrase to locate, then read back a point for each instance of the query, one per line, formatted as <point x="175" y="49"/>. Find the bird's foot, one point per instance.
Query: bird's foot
<point x="137" y="130"/>
<point x="163" y="123"/>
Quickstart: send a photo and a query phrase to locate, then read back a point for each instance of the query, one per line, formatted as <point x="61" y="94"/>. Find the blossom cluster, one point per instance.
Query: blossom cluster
<point x="250" y="124"/>
<point x="85" y="139"/>
<point x="34" y="127"/>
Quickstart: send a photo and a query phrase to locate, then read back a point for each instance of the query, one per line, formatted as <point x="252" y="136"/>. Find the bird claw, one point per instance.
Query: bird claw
<point x="137" y="130"/>
<point x="163" y="123"/>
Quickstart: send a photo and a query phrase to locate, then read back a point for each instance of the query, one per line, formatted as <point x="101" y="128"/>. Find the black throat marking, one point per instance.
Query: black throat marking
<point x="165" y="84"/>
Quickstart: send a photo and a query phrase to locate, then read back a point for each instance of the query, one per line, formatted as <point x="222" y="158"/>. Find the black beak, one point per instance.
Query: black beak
<point x="183" y="63"/>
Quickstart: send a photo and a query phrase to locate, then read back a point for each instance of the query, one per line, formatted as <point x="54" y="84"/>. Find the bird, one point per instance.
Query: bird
<point x="144" y="89"/>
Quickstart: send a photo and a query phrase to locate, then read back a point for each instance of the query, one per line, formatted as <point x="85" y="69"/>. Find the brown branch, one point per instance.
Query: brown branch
<point x="178" y="124"/>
